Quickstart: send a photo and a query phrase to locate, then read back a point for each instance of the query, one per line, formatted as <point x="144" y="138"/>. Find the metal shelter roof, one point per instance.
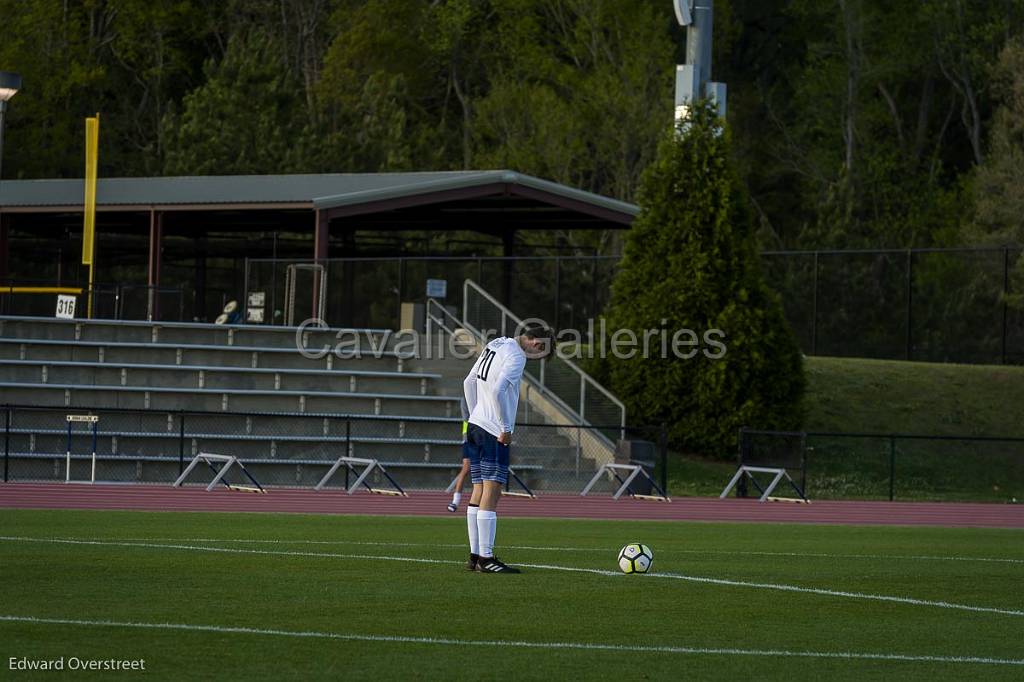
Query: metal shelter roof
<point x="338" y="194"/>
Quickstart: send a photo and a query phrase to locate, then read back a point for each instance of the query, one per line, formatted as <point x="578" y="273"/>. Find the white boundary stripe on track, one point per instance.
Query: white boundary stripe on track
<point x="587" y="646"/>
<point x="572" y="569"/>
<point x="697" y="552"/>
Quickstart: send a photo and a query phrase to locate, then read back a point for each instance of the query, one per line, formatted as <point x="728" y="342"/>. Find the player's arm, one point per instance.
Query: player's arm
<point x="508" y="381"/>
<point x="469" y="391"/>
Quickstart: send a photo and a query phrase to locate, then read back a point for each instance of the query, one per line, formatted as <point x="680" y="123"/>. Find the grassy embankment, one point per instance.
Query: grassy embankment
<point x="885" y="397"/>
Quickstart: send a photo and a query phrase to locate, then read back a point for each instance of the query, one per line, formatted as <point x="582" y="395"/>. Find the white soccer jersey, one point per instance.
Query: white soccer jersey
<point x="492" y="386"/>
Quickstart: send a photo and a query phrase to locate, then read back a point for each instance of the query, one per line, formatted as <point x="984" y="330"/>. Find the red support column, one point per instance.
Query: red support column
<point x="156" y="233"/>
<point x="5" y="221"/>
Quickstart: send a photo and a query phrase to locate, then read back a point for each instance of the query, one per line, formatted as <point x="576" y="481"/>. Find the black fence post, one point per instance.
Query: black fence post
<point x="558" y="293"/>
<point x="1006" y="293"/>
<point x="892" y="468"/>
<point x="401" y="282"/>
<point x="814" y="309"/>
<point x="348" y="448"/>
<point x="803" y="462"/>
<point x="244" y="304"/>
<point x="7" y="440"/>
<point x="910" y="303"/>
<point x="273" y="281"/>
<point x="181" y="443"/>
<point x="663" y="444"/>
<point x="741" y="442"/>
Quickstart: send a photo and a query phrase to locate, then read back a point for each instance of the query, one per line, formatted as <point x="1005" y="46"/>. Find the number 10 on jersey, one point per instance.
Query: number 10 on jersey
<point x="483" y="367"/>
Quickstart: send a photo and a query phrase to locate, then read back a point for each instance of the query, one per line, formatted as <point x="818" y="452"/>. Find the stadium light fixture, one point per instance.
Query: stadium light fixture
<point x="10" y="83"/>
<point x="684" y="11"/>
<point x="693" y="78"/>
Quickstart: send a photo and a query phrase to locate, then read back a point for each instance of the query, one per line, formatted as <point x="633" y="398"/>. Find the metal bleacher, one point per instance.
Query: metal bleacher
<point x="244" y="391"/>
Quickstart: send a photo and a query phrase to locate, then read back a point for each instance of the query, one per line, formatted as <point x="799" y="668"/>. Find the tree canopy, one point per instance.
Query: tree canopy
<point x="855" y="122"/>
<point x="690" y="268"/>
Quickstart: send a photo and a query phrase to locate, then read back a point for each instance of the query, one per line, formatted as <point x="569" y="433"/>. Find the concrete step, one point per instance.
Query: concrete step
<point x="169" y="354"/>
<point x="270" y="425"/>
<point x="195" y="333"/>
<point x="224" y="400"/>
<point x="134" y="444"/>
<point x="452" y="373"/>
<point x="314" y="446"/>
<point x="147" y="375"/>
<point x="34" y="431"/>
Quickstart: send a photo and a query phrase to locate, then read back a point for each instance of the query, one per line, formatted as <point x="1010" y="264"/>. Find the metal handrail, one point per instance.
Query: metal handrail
<point x="440" y="321"/>
<point x="578" y="415"/>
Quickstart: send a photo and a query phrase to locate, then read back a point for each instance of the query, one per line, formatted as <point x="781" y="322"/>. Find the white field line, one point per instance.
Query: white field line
<point x="697" y="552"/>
<point x="572" y="569"/>
<point x="586" y="646"/>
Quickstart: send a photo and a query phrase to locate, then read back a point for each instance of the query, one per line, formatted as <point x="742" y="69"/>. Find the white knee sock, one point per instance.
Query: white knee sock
<point x="471" y="526"/>
<point x="487" y="525"/>
<point x="456" y="498"/>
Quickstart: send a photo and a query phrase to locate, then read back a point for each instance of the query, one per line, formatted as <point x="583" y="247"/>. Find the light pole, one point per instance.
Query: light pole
<point x="693" y="79"/>
<point x="10" y="83"/>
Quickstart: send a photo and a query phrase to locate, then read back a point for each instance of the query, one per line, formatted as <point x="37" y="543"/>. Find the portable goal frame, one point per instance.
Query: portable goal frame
<point x="369" y="466"/>
<point x="778" y="473"/>
<point x="227" y="462"/>
<point x="635" y="470"/>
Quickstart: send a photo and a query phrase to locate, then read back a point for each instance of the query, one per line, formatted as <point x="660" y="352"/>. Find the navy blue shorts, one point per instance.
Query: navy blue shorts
<point x="488" y="459"/>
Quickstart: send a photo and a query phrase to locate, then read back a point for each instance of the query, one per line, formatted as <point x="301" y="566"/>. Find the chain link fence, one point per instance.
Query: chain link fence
<point x="113" y="302"/>
<point x="937" y="305"/>
<point x="565" y="291"/>
<point x="291" y="449"/>
<point x="942" y="305"/>
<point x="891" y="466"/>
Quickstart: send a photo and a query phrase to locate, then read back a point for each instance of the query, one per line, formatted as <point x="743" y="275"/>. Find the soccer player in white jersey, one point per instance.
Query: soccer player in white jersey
<point x="492" y="395"/>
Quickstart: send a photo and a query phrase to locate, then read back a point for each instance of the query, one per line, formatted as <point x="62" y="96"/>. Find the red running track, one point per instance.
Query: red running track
<point x="307" y="501"/>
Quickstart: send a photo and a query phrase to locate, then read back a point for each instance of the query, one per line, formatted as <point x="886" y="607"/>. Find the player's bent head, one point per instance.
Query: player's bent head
<point x="537" y="340"/>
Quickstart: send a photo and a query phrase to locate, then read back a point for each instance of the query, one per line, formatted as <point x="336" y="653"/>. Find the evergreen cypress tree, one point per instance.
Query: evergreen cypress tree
<point x="691" y="262"/>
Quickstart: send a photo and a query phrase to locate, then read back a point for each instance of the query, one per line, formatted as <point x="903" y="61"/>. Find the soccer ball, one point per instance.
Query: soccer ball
<point x="635" y="558"/>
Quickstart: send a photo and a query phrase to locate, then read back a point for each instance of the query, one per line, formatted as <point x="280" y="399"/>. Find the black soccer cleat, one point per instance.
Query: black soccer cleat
<point x="474" y="559"/>
<point x="452" y="507"/>
<point x="492" y="564"/>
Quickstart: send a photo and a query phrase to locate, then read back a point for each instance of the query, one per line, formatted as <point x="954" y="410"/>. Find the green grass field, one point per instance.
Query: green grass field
<point x="243" y="596"/>
<point x="850" y="395"/>
<point x="885" y="396"/>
